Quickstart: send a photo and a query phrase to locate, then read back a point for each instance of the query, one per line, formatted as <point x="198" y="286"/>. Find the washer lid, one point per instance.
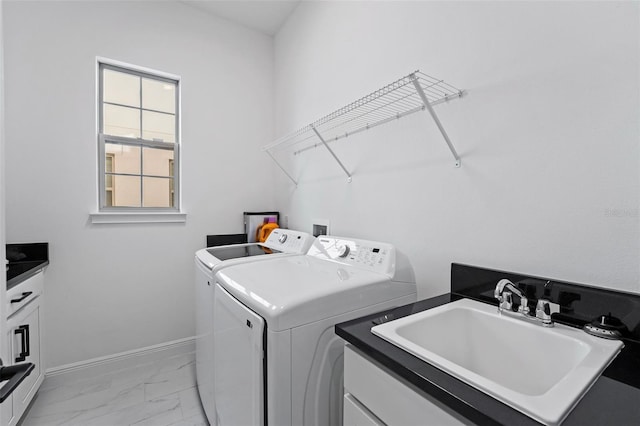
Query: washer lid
<point x="279" y="241"/>
<point x="239" y="250"/>
<point x="296" y="290"/>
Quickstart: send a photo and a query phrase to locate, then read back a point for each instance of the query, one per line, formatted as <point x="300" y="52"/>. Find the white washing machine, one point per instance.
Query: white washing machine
<point x="281" y="242"/>
<point x="277" y="360"/>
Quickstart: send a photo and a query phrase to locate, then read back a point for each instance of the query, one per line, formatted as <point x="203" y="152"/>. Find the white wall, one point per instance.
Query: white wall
<point x="113" y="288"/>
<point x="549" y="134"/>
<point x="3" y="279"/>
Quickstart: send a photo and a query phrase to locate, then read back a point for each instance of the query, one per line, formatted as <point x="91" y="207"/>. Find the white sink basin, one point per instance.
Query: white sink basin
<point x="542" y="372"/>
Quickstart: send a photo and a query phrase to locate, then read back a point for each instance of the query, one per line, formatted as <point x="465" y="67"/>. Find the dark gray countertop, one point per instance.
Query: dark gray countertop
<point x="19" y="272"/>
<point x="25" y="260"/>
<point x="614" y="399"/>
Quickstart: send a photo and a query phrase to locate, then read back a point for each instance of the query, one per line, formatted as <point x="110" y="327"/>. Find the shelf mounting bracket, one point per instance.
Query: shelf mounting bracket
<point x="429" y="108"/>
<point x="281" y="168"/>
<point x="335" y="157"/>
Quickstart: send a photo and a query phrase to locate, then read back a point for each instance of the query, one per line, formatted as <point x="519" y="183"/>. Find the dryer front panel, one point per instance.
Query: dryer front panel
<point x="238" y="347"/>
<point x="204" y="339"/>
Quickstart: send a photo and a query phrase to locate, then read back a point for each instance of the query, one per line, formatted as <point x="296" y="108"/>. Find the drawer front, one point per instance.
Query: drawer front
<point x="389" y="397"/>
<point x="20" y="295"/>
<point x="7" y="417"/>
<point x="356" y="414"/>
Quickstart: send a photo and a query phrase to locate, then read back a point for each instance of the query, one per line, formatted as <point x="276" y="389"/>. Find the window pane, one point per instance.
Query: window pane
<point x="156" y="125"/>
<point x="109" y="169"/>
<point x="121" y="88"/>
<point x="126" y="191"/>
<point x="121" y="121"/>
<point x="156" y="162"/>
<point x="124" y="158"/>
<point x="157" y="192"/>
<point x="158" y="95"/>
<point x="109" y="198"/>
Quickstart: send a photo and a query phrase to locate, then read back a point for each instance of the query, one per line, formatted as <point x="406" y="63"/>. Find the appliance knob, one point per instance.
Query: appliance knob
<point x="282" y="238"/>
<point x="343" y="251"/>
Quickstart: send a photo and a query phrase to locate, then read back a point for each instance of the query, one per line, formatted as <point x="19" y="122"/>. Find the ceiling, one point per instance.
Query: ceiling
<point x="265" y="16"/>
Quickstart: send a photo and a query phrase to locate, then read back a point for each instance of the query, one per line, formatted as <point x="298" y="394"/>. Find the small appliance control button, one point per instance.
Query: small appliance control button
<point x="343" y="251"/>
<point x="282" y="238"/>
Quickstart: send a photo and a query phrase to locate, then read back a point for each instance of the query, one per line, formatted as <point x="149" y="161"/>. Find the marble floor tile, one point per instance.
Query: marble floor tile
<point x="158" y="393"/>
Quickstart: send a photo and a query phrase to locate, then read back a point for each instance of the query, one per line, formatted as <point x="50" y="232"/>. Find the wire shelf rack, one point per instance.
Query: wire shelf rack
<point x="412" y="93"/>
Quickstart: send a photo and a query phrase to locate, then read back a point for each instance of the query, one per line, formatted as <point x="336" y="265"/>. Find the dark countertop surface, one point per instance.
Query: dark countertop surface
<point x="614" y="399"/>
<point x="25" y="260"/>
<point x="19" y="272"/>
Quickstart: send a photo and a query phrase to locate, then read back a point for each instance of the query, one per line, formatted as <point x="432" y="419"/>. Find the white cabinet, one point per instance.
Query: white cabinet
<point x="375" y="396"/>
<point x="24" y="341"/>
<point x="356" y="414"/>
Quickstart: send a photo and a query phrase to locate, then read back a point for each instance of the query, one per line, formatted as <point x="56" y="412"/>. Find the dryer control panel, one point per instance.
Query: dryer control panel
<point x="370" y="255"/>
<point x="289" y="241"/>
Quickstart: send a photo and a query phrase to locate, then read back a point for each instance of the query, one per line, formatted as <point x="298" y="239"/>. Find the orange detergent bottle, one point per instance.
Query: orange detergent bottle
<point x="265" y="229"/>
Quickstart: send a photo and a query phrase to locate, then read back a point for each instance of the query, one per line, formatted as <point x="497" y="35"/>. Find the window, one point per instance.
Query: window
<point x="138" y="140"/>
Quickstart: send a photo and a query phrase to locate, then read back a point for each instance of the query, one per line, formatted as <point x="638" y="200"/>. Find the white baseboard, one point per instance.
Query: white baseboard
<point x="130" y="357"/>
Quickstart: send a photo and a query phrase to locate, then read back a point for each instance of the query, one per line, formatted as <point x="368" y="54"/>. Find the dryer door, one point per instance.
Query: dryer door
<point x="238" y="336"/>
<point x="204" y="339"/>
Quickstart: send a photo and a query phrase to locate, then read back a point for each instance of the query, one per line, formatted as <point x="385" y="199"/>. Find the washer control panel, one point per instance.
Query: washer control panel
<point x="371" y="255"/>
<point x="289" y="241"/>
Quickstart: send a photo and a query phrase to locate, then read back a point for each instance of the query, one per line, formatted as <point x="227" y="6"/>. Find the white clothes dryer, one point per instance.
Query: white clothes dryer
<point x="281" y="242"/>
<point x="277" y="360"/>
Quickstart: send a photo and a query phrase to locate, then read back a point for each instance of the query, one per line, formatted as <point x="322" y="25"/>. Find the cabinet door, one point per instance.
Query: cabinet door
<point x="30" y="328"/>
<point x="24" y="338"/>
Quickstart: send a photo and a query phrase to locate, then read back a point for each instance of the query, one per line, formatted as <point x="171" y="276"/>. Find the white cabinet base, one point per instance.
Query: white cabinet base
<point x="356" y="414"/>
<point x="24" y="339"/>
<point x="376" y="396"/>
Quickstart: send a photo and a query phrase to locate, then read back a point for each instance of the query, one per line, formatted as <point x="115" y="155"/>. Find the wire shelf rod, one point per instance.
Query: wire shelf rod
<point x="371" y="112"/>
<point x="396" y="100"/>
<point x="430" y="79"/>
<point x="421" y="107"/>
<point x="407" y="95"/>
<point x="365" y="99"/>
<point x="381" y="122"/>
<point x="390" y="88"/>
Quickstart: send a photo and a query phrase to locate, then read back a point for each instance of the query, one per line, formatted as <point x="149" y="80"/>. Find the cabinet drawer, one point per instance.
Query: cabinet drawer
<point x="7" y="417"/>
<point x="389" y="397"/>
<point x="22" y="294"/>
<point x="356" y="414"/>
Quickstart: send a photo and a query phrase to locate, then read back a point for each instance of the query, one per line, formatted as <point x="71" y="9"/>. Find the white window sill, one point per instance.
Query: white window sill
<point x="138" y="217"/>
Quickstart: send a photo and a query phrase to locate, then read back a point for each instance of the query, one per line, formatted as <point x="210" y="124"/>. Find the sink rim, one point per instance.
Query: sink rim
<point x="550" y="407"/>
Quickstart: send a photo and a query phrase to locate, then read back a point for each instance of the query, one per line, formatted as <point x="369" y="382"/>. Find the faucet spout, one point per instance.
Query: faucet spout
<point x="505" y="283"/>
<point x="504" y="291"/>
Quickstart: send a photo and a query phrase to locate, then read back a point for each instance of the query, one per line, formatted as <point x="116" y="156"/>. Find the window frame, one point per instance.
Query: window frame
<point x="103" y="139"/>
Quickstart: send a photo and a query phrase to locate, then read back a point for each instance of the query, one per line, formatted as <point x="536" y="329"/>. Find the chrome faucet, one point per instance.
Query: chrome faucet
<point x="544" y="308"/>
<point x="504" y="291"/>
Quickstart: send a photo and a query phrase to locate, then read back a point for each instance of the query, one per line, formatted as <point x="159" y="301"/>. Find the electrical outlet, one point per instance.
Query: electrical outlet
<point x="320" y="227"/>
